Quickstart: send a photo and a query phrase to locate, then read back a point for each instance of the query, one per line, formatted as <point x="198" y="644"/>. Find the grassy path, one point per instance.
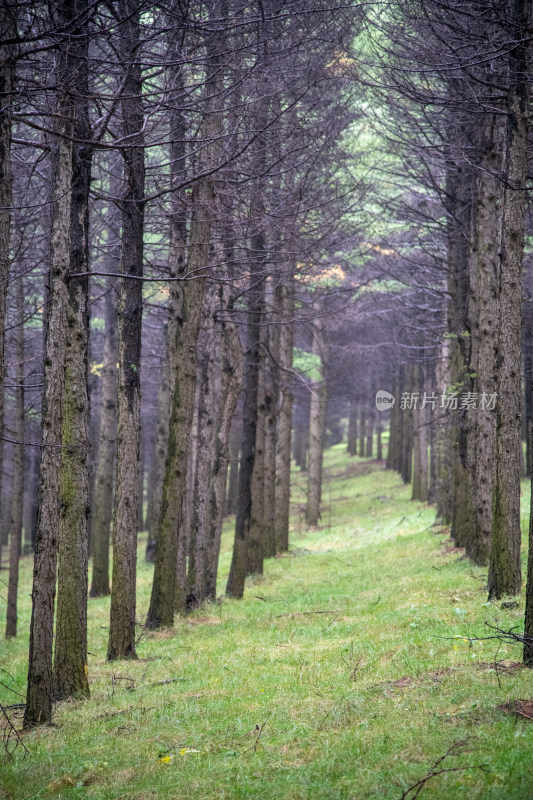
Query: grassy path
<point x="328" y="682"/>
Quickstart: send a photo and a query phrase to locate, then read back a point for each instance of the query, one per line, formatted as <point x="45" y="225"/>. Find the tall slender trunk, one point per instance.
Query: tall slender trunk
<point x="121" y="642"/>
<point x="103" y="495"/>
<point x="420" y="444"/>
<point x="407" y="429"/>
<point x="255" y="554"/>
<point x="352" y="429"/>
<point x="483" y="269"/>
<point x="208" y="363"/>
<point x="39" y="695"/>
<point x="168" y="588"/>
<point x="460" y="317"/>
<point x="362" y="428"/>
<point x="8" y="26"/>
<point x="285" y="303"/>
<point x="316" y="428"/>
<point x="255" y="299"/>
<point x="160" y="455"/>
<point x="504" y="568"/>
<point x="272" y="396"/>
<point x="233" y="480"/>
<point x="70" y="653"/>
<point x="369" y="433"/>
<point x="230" y="389"/>
<point x="239" y="560"/>
<point x="17" y="492"/>
<point x="528" y="378"/>
<point x="393" y="450"/>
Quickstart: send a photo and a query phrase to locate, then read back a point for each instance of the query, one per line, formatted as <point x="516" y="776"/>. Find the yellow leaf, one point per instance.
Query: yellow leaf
<point x="96" y="369"/>
<point x="165" y="760"/>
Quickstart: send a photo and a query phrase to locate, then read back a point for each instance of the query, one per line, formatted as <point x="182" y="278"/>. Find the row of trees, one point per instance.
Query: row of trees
<point x="183" y="196"/>
<point x="176" y="168"/>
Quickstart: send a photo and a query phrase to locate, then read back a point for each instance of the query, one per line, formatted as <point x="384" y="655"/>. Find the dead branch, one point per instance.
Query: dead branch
<point x="458" y="748"/>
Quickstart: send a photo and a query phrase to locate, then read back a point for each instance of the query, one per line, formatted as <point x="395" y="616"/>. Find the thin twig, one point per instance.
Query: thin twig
<point x="459" y="747"/>
<point x="304" y="613"/>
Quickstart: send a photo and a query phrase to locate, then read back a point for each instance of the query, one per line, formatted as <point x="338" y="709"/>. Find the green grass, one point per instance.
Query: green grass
<point x="270" y="701"/>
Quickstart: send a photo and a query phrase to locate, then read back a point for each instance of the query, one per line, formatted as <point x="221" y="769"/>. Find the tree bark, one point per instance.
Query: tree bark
<point x="504" y="568"/>
<point x="362" y="429"/>
<point x="255" y="298"/>
<point x="483" y="269"/>
<point x="352" y="429"/>
<point x="8" y="25"/>
<point x="70" y="653"/>
<point x="39" y="695"/>
<point x="272" y="396"/>
<point x="208" y="363"/>
<point x="103" y="495"/>
<point x="121" y="642"/>
<point x="255" y="551"/>
<point x="160" y="455"/>
<point x="393" y="450"/>
<point x="230" y="389"/>
<point x="233" y="481"/>
<point x="168" y="588"/>
<point x="17" y="491"/>
<point x="285" y="303"/>
<point x="316" y="428"/>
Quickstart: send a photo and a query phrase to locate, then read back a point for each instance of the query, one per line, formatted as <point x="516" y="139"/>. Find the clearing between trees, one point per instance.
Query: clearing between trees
<point x="346" y="672"/>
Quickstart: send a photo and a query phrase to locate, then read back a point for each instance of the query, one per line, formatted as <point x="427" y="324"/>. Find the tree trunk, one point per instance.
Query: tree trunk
<point x="255" y="554"/>
<point x="316" y="429"/>
<point x="255" y="299"/>
<point x="230" y="389"/>
<point x="352" y="429"/>
<point x="233" y="482"/>
<point x="8" y="25"/>
<point x="483" y="268"/>
<point x="394" y="449"/>
<point x="168" y="588"/>
<point x="103" y="495"/>
<point x="39" y="695"/>
<point x="369" y="433"/>
<point x="406" y="420"/>
<point x="121" y="642"/>
<point x="362" y="429"/>
<point x="17" y="491"/>
<point x="420" y="444"/>
<point x="208" y="363"/>
<point x="269" y="459"/>
<point x="160" y="455"/>
<point x="504" y="568"/>
<point x="70" y="653"/>
<point x="239" y="560"/>
<point x="285" y="302"/>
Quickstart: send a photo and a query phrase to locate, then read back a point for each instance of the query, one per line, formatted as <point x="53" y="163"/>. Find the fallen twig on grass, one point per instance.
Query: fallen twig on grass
<point x="458" y="748"/>
<point x="501" y="635"/>
<point x="258" y="730"/>
<point x="116" y="678"/>
<point x="304" y="613"/>
<point x="11" y="733"/>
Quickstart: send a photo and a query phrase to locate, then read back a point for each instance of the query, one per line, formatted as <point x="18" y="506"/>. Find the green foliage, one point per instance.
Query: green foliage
<point x="267" y="698"/>
<point x="307" y="364"/>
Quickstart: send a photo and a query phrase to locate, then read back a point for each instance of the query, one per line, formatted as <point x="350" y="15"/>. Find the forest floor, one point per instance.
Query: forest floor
<point x="334" y="679"/>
